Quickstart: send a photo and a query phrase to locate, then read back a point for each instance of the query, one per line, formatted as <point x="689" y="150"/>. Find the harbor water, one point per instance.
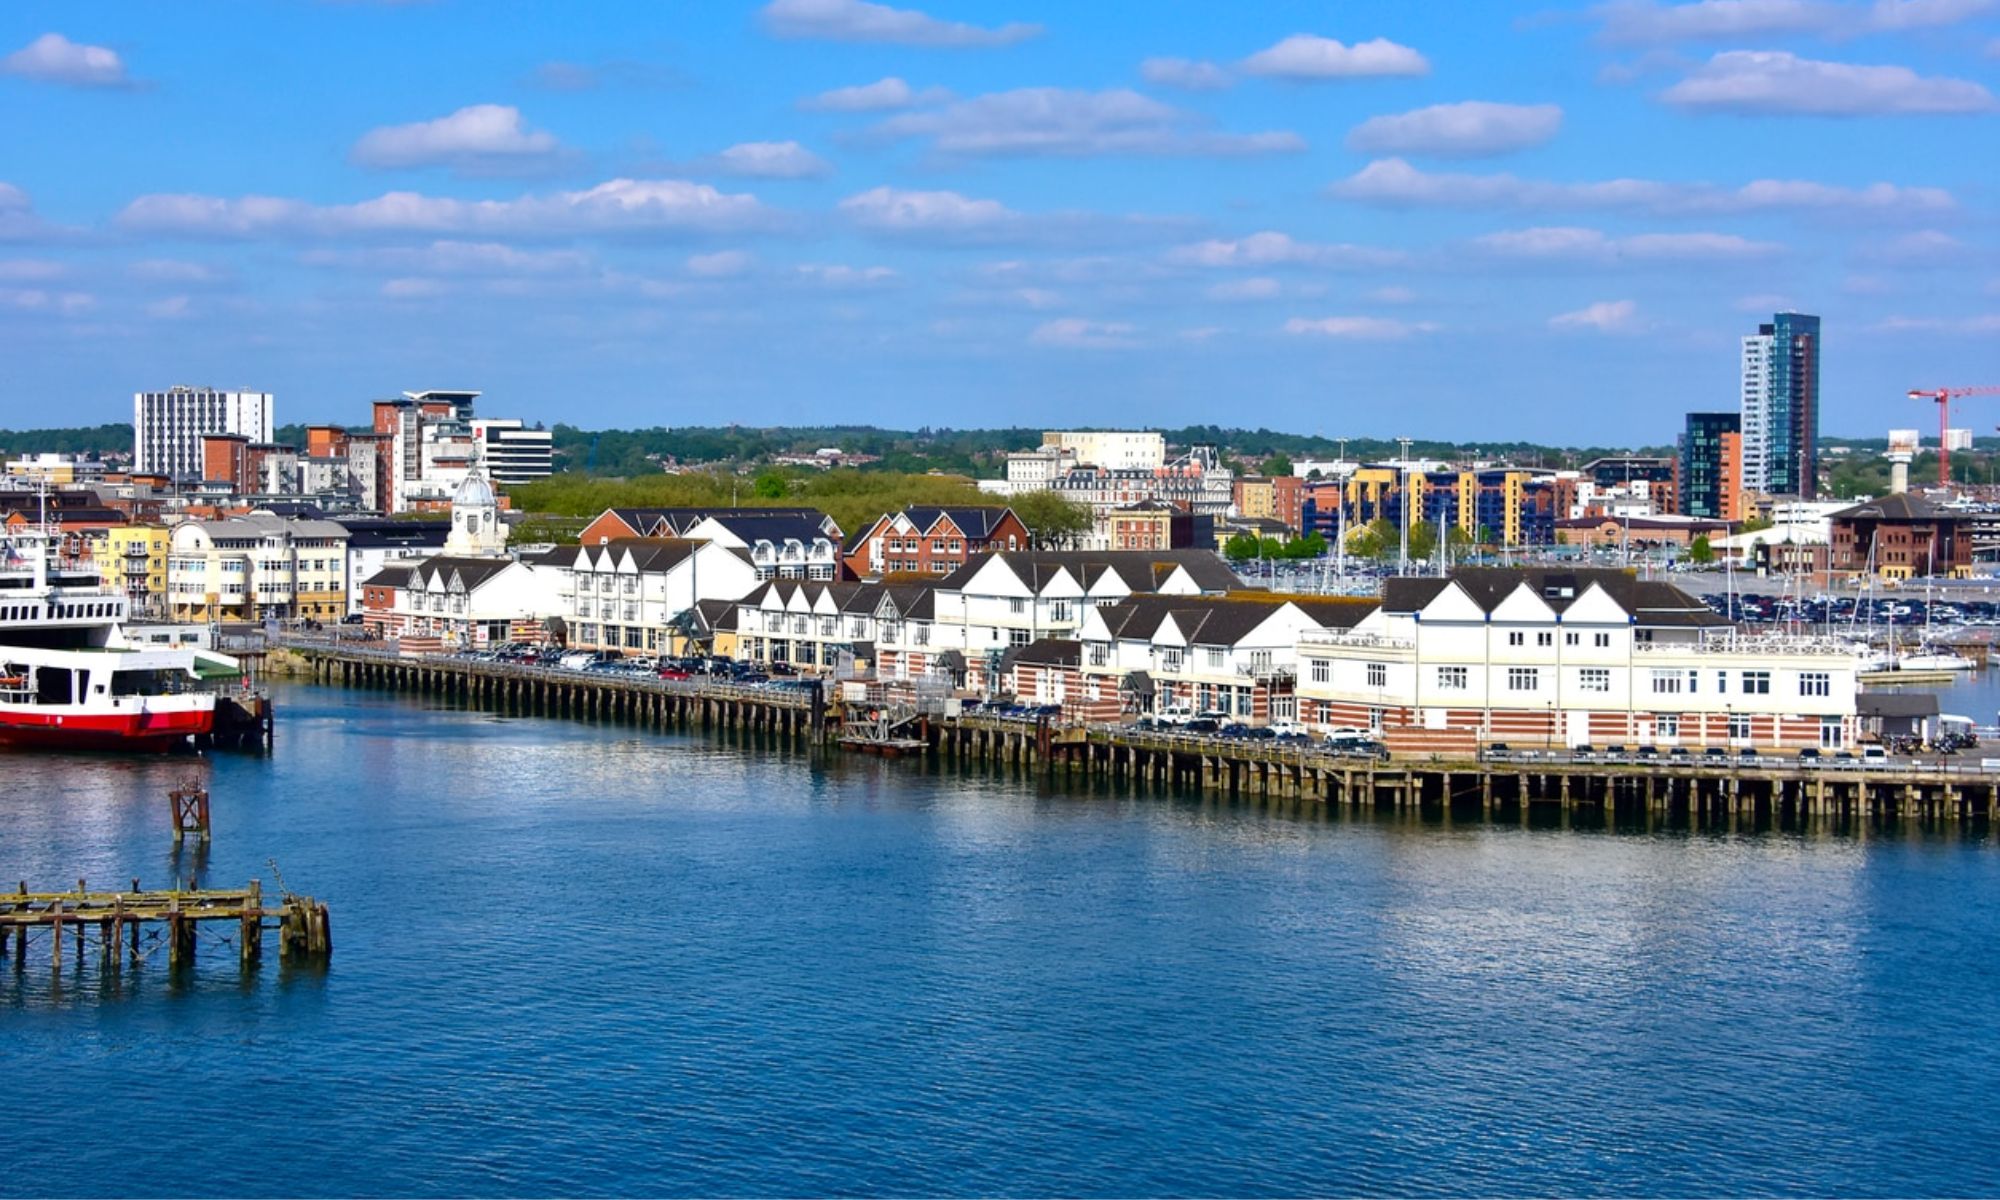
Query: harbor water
<point x="587" y="959"/>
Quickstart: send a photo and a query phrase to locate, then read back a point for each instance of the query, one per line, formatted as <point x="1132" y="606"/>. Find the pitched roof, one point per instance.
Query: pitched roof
<point x="389" y="577"/>
<point x="1047" y="652"/>
<point x="648" y="554"/>
<point x="1226" y="620"/>
<point x="766" y="527"/>
<point x="472" y="572"/>
<point x="1897" y="506"/>
<point x="646" y="520"/>
<point x="1653" y="602"/>
<point x="975" y="522"/>
<point x="1141" y="570"/>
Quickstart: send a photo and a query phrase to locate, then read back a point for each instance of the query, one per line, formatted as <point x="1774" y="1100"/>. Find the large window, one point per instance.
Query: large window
<point x="1170" y="661"/>
<point x="1739" y="727"/>
<point x="1322" y="671"/>
<point x="1815" y="683"/>
<point x="1667" y="683"/>
<point x="1523" y="679"/>
<point x="1594" y="679"/>
<point x="1756" y="683"/>
<point x="1378" y="675"/>
<point x="1453" y="679"/>
<point x="1215" y="656"/>
<point x="1018" y="606"/>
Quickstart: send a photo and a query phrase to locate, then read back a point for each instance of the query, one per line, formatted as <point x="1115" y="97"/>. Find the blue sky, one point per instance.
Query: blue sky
<point x="1466" y="221"/>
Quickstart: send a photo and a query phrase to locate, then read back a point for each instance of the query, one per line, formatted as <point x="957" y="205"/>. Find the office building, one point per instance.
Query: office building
<point x="1780" y="414"/>
<point x="510" y="452"/>
<point x="1710" y="466"/>
<point x="167" y="427"/>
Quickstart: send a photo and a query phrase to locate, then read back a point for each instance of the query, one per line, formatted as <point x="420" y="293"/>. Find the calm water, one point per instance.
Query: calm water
<point x="583" y="959"/>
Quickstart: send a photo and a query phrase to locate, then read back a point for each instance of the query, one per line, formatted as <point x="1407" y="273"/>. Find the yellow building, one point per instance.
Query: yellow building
<point x="133" y="559"/>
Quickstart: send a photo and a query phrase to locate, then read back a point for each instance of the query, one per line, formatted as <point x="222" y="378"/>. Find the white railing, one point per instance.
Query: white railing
<point x="1371" y="641"/>
<point x="1762" y="644"/>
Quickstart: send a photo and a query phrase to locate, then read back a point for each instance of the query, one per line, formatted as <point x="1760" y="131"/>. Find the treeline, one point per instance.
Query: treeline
<point x="632" y="451"/>
<point x="852" y="498"/>
<point x="93" y="439"/>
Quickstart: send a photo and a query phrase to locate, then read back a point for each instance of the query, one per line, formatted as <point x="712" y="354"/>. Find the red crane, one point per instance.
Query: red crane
<point x="1943" y="397"/>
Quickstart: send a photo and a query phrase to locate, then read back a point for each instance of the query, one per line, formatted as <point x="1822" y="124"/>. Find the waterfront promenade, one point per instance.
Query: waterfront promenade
<point x="1767" y="786"/>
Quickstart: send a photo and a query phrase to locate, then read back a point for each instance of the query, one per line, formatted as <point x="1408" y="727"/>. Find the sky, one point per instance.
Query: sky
<point x="1465" y="222"/>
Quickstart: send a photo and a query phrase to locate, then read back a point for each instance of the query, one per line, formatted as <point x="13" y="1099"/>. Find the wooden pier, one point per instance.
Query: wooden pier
<point x="119" y="919"/>
<point x="662" y="703"/>
<point x="1781" y="787"/>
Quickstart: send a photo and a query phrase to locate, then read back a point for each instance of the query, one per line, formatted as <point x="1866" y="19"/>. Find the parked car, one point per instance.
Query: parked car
<point x="1201" y="725"/>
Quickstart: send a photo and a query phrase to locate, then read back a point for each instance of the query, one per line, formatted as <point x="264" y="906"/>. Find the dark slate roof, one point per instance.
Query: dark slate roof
<point x="710" y="614"/>
<point x="471" y="571"/>
<point x="365" y="533"/>
<point x="648" y="554"/>
<point x="1655" y="604"/>
<point x="394" y="577"/>
<point x="1896" y="704"/>
<point x="1142" y="570"/>
<point x="559" y="556"/>
<point x="677" y="520"/>
<point x="975" y="523"/>
<point x="1225" y="620"/>
<point x="1050" y="652"/>
<point x="296" y="508"/>
<point x="765" y="527"/>
<point x="1897" y="506"/>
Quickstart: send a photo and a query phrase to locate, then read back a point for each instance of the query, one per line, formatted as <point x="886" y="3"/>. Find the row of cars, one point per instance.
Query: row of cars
<point x="1687" y="756"/>
<point x="712" y="669"/>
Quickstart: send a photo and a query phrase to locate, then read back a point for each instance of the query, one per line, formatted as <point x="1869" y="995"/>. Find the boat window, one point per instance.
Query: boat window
<point x="55" y="685"/>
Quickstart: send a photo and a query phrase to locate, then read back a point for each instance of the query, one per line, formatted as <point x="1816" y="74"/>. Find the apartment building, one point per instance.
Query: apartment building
<point x="638" y="595"/>
<point x="812" y="624"/>
<point x="167" y="426"/>
<point x="931" y="540"/>
<point x="258" y="566"/>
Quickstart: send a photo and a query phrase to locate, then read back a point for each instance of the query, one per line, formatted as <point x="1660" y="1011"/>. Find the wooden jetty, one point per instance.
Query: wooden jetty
<point x="117" y="919"/>
<point x="1781" y="786"/>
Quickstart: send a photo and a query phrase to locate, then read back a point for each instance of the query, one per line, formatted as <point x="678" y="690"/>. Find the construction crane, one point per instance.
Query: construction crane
<point x="1943" y="398"/>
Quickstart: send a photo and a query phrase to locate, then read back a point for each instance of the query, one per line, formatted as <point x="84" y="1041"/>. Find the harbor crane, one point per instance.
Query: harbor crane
<point x="1943" y="398"/>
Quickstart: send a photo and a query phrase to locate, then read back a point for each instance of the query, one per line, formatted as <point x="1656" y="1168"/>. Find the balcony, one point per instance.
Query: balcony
<point x="1348" y="638"/>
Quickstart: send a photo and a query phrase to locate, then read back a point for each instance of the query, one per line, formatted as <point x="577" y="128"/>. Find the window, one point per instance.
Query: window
<point x="1059" y="610"/>
<point x="1667" y="683"/>
<point x="1756" y="683"/>
<point x="1523" y="679"/>
<point x="1739" y="727"/>
<point x="1018" y="606"/>
<point x="1170" y="660"/>
<point x="920" y="634"/>
<point x="1594" y="679"/>
<point x="1545" y="638"/>
<point x="1321" y="670"/>
<point x="1517" y="638"/>
<point x="1100" y="653"/>
<point x="1815" y="683"/>
<point x="1571" y="639"/>
<point x="1722" y="683"/>
<point x="1260" y="661"/>
<point x="1378" y="675"/>
<point x="1215" y="655"/>
<point x="1667" y="725"/>
<point x="1017" y="637"/>
<point x="1452" y="679"/>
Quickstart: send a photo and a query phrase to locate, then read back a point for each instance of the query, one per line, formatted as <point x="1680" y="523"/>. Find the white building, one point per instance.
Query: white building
<point x="1112" y="449"/>
<point x="1554" y="658"/>
<point x="447" y="603"/>
<point x="509" y="452"/>
<point x="779" y="547"/>
<point x="167" y="426"/>
<point x="476" y="527"/>
<point x="637" y="594"/>
<point x="257" y="566"/>
<point x="1757" y="386"/>
<point x="811" y="624"/>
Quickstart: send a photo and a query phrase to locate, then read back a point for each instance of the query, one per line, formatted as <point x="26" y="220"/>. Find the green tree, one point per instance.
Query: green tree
<point x="1423" y="541"/>
<point x="1699" y="551"/>
<point x="770" y="486"/>
<point x="1240" y="547"/>
<point x="1055" y="521"/>
<point x="1754" y="525"/>
<point x="1277" y="464"/>
<point x="1312" y="545"/>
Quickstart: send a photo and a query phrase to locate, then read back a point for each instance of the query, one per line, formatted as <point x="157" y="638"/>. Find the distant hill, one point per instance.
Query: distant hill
<point x="95" y="439"/>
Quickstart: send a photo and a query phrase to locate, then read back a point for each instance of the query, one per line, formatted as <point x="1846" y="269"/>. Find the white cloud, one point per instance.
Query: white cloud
<point x="1393" y="295"/>
<point x="880" y="96"/>
<point x="723" y="264"/>
<point x="30" y="270"/>
<point x="414" y="289"/>
<point x="18" y="222"/>
<point x="771" y="160"/>
<point x="1924" y="248"/>
<point x="1280" y="249"/>
<point x="1307" y="56"/>
<point x="1072" y="123"/>
<point x="1644" y="22"/>
<point x="1464" y="130"/>
<point x="477" y="139"/>
<point x="1260" y="287"/>
<point x="39" y="300"/>
<point x="1185" y="73"/>
<point x="1395" y="183"/>
<point x="53" y="58"/>
<point x="1977" y="326"/>
<point x="1774" y="81"/>
<point x="844" y="277"/>
<point x="1361" y="329"/>
<point x="893" y="210"/>
<point x="1764" y="302"/>
<point x="860" y="21"/>
<point x="449" y="257"/>
<point x="1569" y="244"/>
<point x="171" y="308"/>
<point x="1605" y="316"/>
<point x="617" y="206"/>
<point x="1078" y="334"/>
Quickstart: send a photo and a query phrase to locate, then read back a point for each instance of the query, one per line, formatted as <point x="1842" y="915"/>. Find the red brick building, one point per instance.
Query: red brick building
<point x="931" y="541"/>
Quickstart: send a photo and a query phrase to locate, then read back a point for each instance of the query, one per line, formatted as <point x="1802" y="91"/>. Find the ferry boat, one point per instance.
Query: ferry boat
<point x="72" y="678"/>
